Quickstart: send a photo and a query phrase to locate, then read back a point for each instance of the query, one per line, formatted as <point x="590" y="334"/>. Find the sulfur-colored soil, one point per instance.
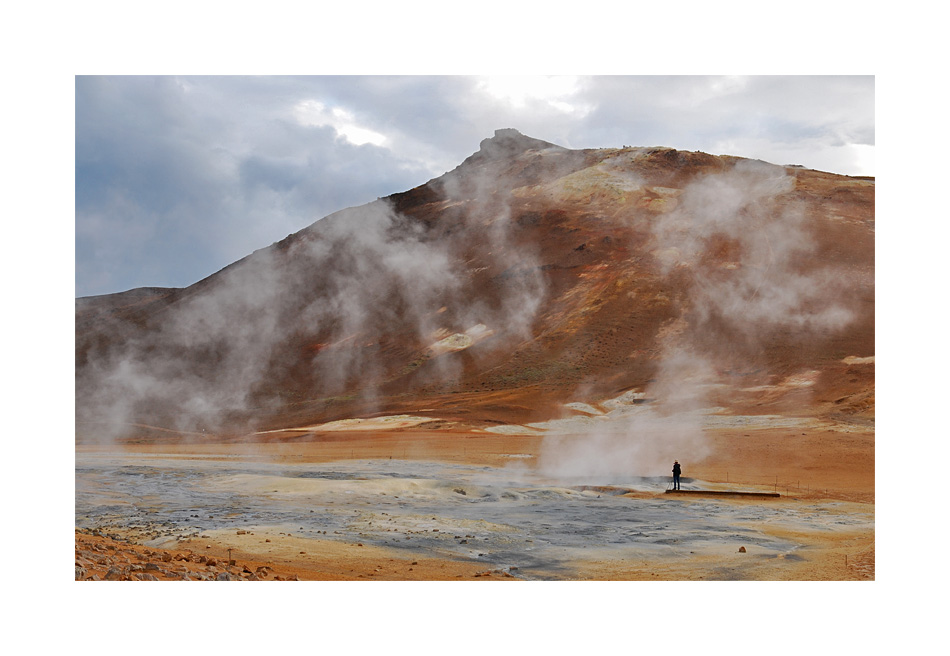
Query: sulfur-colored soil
<point x="804" y="466"/>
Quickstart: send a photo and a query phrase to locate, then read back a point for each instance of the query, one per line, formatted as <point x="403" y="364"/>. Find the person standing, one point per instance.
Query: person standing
<point x="676" y="474"/>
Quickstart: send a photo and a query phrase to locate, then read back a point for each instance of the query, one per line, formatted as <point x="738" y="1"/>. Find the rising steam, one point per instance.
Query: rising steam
<point x="355" y="279"/>
<point x="740" y="249"/>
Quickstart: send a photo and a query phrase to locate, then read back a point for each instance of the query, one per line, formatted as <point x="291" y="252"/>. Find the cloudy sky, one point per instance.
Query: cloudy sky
<point x="177" y="177"/>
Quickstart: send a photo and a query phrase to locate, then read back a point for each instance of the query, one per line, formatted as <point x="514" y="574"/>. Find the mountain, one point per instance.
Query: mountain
<point x="528" y="278"/>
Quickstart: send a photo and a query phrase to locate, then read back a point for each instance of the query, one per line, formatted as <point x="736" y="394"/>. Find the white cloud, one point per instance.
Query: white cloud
<point x="812" y="153"/>
<point x="313" y="112"/>
<point x="558" y="92"/>
<point x="864" y="160"/>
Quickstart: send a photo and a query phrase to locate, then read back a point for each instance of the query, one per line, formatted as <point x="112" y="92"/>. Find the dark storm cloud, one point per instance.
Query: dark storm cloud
<point x="177" y="177"/>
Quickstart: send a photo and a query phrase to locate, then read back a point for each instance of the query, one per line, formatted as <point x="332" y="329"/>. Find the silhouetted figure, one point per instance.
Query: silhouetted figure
<point x="676" y="474"/>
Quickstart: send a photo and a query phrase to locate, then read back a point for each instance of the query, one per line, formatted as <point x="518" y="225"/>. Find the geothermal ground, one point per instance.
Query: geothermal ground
<point x="409" y="504"/>
<point x="490" y="375"/>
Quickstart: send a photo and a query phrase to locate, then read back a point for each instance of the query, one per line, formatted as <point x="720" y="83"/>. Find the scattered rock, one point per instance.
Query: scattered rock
<point x="741" y="549"/>
<point x="93" y="557"/>
<point x="132" y="562"/>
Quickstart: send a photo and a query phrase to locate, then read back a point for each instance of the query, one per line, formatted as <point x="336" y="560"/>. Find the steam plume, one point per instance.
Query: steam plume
<point x="738" y="239"/>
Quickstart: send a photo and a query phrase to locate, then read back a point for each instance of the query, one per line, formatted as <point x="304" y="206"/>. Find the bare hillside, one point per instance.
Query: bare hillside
<point x="529" y="280"/>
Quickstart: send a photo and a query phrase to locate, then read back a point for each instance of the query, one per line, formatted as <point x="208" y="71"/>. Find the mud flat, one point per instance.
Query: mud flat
<point x="434" y="505"/>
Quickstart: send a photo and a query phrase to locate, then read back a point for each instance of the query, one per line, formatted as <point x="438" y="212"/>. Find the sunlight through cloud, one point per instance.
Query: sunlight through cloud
<point x="312" y="112"/>
<point x="557" y="91"/>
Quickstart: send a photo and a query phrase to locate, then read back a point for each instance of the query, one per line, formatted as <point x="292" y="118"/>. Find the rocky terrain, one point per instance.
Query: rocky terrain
<point x="103" y="558"/>
<point x="100" y="558"/>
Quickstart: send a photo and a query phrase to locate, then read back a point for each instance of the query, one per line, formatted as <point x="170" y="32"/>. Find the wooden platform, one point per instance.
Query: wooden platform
<point x="724" y="493"/>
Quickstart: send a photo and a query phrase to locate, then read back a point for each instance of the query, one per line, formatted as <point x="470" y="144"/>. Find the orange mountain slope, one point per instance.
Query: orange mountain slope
<point x="529" y="283"/>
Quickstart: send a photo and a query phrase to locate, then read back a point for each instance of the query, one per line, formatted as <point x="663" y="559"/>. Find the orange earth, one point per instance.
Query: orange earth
<point x="802" y="465"/>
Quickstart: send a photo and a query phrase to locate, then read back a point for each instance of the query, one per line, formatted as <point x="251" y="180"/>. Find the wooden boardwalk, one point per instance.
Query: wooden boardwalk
<point x="724" y="493"/>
